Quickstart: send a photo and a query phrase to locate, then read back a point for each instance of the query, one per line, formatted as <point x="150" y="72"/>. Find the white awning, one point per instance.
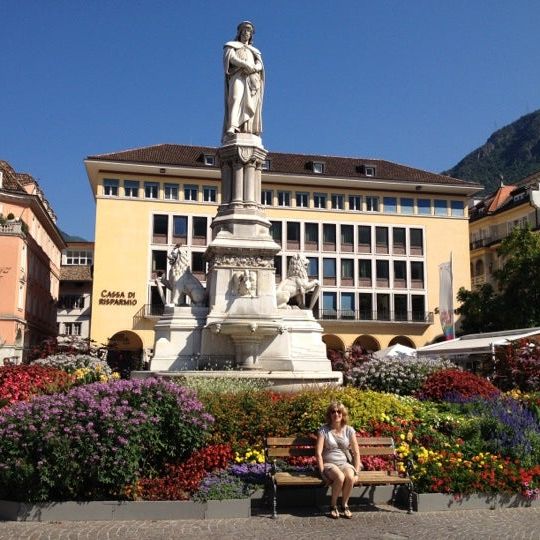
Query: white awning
<point x="476" y="343"/>
<point x="395" y="350"/>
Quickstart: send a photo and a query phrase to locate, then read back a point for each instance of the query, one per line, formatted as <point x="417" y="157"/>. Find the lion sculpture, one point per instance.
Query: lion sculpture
<point x="181" y="281"/>
<point x="297" y="284"/>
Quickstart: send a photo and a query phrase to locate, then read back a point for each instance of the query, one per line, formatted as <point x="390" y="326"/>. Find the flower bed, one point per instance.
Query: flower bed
<point x="156" y="440"/>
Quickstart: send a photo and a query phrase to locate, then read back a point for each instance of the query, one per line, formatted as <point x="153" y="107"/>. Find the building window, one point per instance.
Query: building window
<point x="364" y="272"/>
<point x="398" y="241"/>
<point x="266" y="165"/>
<point x="110" y="187"/>
<point x="383" y="307"/>
<point x="347" y="238"/>
<point x="284" y="198"/>
<point x="151" y="190"/>
<point x="400" y="274"/>
<point x="407" y="206"/>
<point x="355" y="202"/>
<point x="293" y="234"/>
<point x="319" y="200"/>
<point x="381" y="240"/>
<point x="171" y="192"/>
<point x="318" y="167"/>
<point x="382" y="273"/>
<point x="313" y="267"/>
<point x="131" y="188"/>
<point x="78" y="257"/>
<point x="266" y="197"/>
<point x="209" y="194"/>
<point x="424" y="207"/>
<point x="276" y="231"/>
<point x="311" y="236"/>
<point x="369" y="171"/>
<point x="159" y="263"/>
<point x="400" y="307"/>
<point x="329" y="237"/>
<point x="416" y="241"/>
<point x="441" y="207"/>
<point x="347" y="272"/>
<point x="72" y="329"/>
<point x="302" y="199"/>
<point x="209" y="160"/>
<point x="199" y="230"/>
<point x="71" y="301"/>
<point x="457" y="209"/>
<point x="372" y="204"/>
<point x="390" y="205"/>
<point x="365" y="304"/>
<point x="198" y="264"/>
<point x="364" y="239"/>
<point x="160" y="229"/>
<point x="338" y="201"/>
<point x="180" y="229"/>
<point x="190" y="193"/>
<point x="329" y="271"/>
<point x="277" y="265"/>
<point x="347" y="305"/>
<point x="417" y="275"/>
<point x="329" y="305"/>
<point x="418" y="305"/>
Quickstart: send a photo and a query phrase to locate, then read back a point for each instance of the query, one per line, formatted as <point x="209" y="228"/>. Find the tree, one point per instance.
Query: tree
<point x="480" y="310"/>
<point x="517" y="302"/>
<point x="519" y="278"/>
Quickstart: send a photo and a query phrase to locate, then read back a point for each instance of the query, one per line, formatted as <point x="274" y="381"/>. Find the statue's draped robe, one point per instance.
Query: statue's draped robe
<point x="243" y="93"/>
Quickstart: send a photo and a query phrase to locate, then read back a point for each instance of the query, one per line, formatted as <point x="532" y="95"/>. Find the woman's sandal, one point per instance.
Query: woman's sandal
<point x="334" y="512"/>
<point x="346" y="512"/>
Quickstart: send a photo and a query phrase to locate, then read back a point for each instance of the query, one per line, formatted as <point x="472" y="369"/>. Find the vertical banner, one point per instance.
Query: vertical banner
<point x="446" y="299"/>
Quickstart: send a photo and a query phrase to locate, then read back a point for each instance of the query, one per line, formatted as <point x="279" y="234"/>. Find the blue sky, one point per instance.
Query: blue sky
<point x="418" y="82"/>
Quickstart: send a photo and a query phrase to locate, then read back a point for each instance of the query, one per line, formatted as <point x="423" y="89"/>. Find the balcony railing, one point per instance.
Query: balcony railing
<point x="414" y="317"/>
<point x="149" y="312"/>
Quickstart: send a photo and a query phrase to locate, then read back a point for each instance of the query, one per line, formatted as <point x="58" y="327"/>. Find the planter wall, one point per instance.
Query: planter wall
<point x="436" y="502"/>
<point x="124" y="510"/>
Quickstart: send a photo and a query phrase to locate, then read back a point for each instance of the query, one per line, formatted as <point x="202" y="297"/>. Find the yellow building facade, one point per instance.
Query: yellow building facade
<point x="493" y="218"/>
<point x="374" y="233"/>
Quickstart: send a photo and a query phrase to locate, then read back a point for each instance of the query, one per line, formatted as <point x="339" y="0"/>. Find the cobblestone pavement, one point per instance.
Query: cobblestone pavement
<point x="382" y="524"/>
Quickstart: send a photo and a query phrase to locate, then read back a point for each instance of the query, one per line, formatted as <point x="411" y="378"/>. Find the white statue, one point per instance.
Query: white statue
<point x="245" y="282"/>
<point x="297" y="284"/>
<point x="244" y="83"/>
<point x="181" y="281"/>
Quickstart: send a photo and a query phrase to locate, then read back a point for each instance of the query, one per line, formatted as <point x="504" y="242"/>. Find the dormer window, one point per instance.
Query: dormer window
<point x="266" y="165"/>
<point x="317" y="167"/>
<point x="366" y="170"/>
<point x="209" y="160"/>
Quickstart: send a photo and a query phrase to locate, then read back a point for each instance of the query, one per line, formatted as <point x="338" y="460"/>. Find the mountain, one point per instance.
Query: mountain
<point x="511" y="153"/>
<point x="69" y="238"/>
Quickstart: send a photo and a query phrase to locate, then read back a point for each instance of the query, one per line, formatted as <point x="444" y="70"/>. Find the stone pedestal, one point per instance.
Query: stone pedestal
<point x="178" y="338"/>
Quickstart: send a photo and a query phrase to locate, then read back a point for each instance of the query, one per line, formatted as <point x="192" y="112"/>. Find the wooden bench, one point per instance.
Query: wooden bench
<point x="285" y="447"/>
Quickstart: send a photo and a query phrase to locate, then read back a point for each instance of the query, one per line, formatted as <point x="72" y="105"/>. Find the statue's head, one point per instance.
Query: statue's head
<point x="245" y="30"/>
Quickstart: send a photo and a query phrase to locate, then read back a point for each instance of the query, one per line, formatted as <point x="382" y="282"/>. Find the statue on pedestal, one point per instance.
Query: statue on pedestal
<point x="244" y="83"/>
<point x="181" y="281"/>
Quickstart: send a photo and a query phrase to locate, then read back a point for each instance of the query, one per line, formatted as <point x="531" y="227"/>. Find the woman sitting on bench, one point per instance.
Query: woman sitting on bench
<point x="338" y="457"/>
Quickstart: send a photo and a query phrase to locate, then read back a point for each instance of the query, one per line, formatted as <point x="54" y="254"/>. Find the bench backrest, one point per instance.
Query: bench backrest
<point x="282" y="447"/>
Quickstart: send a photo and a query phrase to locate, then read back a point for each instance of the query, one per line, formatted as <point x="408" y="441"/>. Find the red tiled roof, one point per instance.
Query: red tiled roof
<point x="500" y="197"/>
<point x="10" y="180"/>
<point x="75" y="273"/>
<point x="298" y="164"/>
